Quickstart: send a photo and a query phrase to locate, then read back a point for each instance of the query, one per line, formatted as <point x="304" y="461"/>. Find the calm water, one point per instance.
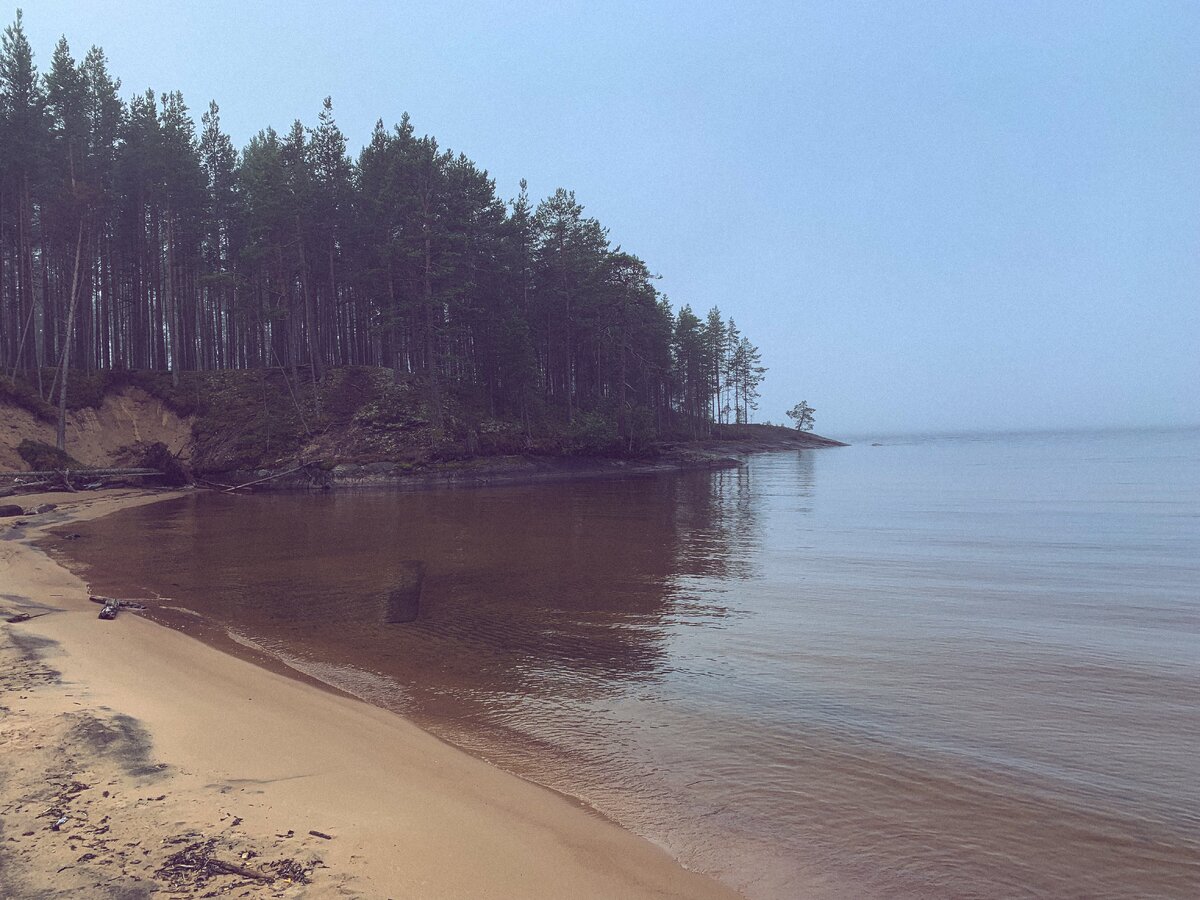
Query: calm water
<point x="941" y="667"/>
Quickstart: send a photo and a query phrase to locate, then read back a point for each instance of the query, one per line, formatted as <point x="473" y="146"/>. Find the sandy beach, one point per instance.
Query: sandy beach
<point x="138" y="760"/>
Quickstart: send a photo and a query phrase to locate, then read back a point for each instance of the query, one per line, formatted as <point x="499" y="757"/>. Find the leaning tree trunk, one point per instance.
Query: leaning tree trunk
<point x="66" y="354"/>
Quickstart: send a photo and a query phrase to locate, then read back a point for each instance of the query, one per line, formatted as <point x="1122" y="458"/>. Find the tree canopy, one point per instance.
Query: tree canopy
<point x="131" y="239"/>
<point x="803" y="415"/>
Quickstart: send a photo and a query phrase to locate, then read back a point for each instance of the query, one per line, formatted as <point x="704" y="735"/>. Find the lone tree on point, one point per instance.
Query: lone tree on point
<point x="803" y="414"/>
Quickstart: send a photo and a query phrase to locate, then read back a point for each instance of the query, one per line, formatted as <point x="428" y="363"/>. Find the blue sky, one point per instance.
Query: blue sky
<point x="929" y="216"/>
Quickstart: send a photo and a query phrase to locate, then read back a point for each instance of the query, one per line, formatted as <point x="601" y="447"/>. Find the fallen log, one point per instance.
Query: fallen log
<point x="63" y="479"/>
<point x="238" y="487"/>
<point x="120" y="604"/>
<point x="22" y="487"/>
<point x="94" y="473"/>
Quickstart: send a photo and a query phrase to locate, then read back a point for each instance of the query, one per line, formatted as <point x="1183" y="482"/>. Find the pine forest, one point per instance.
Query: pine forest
<point x="133" y="239"/>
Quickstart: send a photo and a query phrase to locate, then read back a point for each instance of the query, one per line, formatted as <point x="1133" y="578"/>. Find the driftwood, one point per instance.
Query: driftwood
<point x="94" y="473"/>
<point x="238" y="487"/>
<point x="120" y="604"/>
<point x="197" y="862"/>
<point x="22" y="488"/>
<point x="233" y="869"/>
<point x="63" y="479"/>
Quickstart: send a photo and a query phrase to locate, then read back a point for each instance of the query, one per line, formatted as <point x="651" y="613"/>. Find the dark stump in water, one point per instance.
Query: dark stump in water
<point x="404" y="599"/>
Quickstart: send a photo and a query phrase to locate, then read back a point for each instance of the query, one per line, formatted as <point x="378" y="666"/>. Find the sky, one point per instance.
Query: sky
<point x="929" y="216"/>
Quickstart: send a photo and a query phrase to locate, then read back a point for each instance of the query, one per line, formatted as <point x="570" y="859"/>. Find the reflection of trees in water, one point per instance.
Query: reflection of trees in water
<point x="560" y="589"/>
<point x="553" y="588"/>
<point x="720" y="519"/>
<point x="716" y="523"/>
<point x="805" y="474"/>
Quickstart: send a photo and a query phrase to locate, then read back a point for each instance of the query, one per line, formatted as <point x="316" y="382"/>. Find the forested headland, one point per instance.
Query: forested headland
<point x="132" y="239"/>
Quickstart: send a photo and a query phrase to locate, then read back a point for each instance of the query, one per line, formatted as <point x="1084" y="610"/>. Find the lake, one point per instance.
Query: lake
<point x="943" y="666"/>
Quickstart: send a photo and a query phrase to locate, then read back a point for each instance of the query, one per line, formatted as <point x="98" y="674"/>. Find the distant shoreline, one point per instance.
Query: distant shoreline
<point x="482" y="471"/>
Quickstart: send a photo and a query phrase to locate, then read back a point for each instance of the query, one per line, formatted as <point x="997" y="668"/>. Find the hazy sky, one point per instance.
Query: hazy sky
<point x="927" y="215"/>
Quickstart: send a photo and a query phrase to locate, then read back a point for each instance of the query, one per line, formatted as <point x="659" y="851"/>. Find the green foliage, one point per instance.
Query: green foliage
<point x="643" y="431"/>
<point x="592" y="434"/>
<point x="42" y="457"/>
<point x="87" y="390"/>
<point x="344" y="391"/>
<point x="156" y="455"/>
<point x="25" y="396"/>
<point x="803" y="415"/>
<point x="291" y="256"/>
<point x="391" y="408"/>
<point x="247" y="422"/>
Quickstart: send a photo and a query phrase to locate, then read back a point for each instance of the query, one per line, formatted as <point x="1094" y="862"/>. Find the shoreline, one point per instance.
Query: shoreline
<point x="488" y="471"/>
<point x="150" y="743"/>
<point x="479" y="471"/>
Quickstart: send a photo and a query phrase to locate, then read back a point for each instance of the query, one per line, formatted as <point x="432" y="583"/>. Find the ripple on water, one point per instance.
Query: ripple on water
<point x="933" y="669"/>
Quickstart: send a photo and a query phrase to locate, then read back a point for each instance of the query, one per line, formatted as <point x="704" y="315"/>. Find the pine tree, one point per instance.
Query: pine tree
<point x="66" y="214"/>
<point x="129" y="240"/>
<point x="224" y="322"/>
<point x="331" y="201"/>
<point x="105" y="113"/>
<point x="691" y="366"/>
<point x="714" y="350"/>
<point x="262" y="187"/>
<point x="22" y="106"/>
<point x="569" y="253"/>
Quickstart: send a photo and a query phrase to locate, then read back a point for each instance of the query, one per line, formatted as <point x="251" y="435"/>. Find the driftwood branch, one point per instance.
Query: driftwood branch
<point x="233" y="869"/>
<point x="261" y="480"/>
<point x="295" y="400"/>
<point x="23" y="617"/>
<point x="123" y="604"/>
<point x="24" y="488"/>
<point x="93" y="473"/>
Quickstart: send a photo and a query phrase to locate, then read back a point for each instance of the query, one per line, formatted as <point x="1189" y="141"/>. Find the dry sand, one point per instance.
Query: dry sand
<point x="137" y="760"/>
<point x="96" y="437"/>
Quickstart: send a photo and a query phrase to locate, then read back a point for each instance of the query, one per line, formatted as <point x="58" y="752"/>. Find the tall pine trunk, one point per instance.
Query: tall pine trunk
<point x="431" y="367"/>
<point x="66" y="354"/>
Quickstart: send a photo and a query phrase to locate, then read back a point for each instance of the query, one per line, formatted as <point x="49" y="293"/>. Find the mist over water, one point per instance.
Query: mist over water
<point x="954" y="666"/>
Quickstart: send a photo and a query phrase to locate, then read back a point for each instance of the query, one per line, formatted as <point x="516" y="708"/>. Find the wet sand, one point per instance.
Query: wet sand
<point x="155" y="754"/>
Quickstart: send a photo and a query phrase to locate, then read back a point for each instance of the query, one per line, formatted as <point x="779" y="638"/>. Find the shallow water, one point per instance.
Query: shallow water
<point x="941" y="667"/>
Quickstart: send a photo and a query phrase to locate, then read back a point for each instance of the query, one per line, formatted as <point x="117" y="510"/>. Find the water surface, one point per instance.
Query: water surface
<point x="941" y="667"/>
